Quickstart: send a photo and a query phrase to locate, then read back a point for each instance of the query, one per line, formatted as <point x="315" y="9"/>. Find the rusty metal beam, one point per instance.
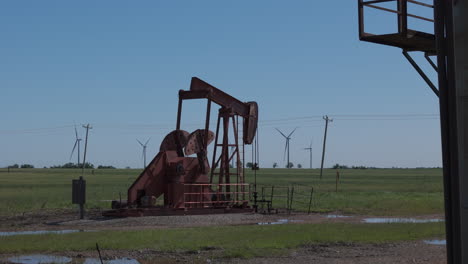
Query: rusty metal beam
<point x="420" y="3"/>
<point x="384" y="9"/>
<point x="421" y="73"/>
<point x="434" y="66"/>
<point x="420" y="17"/>
<point x="377" y="1"/>
<point x="201" y="89"/>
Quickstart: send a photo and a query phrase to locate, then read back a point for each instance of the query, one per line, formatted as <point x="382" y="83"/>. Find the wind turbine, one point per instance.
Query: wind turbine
<point x="310" y="152"/>
<point x="144" y="151"/>
<point x="232" y="151"/>
<point x="77" y="143"/>
<point x="286" y="147"/>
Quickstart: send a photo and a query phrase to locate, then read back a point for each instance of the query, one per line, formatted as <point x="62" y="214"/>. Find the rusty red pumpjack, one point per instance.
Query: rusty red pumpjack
<point x="188" y="183"/>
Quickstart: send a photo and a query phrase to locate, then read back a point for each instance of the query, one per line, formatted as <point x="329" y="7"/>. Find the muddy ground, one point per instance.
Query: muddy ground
<point x="404" y="252"/>
<point x="68" y="219"/>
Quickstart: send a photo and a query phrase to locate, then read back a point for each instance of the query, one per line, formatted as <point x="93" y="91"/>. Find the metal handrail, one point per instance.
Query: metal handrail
<point x="211" y="202"/>
<point x="371" y="4"/>
<point x="216" y="184"/>
<point x="198" y="193"/>
<point x="383" y="8"/>
<point x="203" y="191"/>
<point x="420" y="3"/>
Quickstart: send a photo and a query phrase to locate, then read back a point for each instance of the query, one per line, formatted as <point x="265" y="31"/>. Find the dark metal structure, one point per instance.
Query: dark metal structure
<point x="403" y="37"/>
<point x="449" y="43"/>
<point x="187" y="184"/>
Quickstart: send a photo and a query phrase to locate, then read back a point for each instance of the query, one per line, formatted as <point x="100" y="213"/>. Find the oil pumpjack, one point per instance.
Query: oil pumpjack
<point x="188" y="185"/>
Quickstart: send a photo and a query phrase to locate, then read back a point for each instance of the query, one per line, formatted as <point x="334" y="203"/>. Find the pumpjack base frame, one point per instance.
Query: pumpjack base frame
<point x="160" y="211"/>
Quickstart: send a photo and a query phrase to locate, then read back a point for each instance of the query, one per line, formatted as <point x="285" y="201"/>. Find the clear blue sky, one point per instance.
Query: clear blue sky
<point x="118" y="65"/>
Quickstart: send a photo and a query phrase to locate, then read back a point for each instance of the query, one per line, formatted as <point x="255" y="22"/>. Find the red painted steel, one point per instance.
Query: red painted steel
<point x="186" y="183"/>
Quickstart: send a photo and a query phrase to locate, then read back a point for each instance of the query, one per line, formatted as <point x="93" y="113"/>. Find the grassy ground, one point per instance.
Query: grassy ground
<point x="250" y="241"/>
<point x="372" y="192"/>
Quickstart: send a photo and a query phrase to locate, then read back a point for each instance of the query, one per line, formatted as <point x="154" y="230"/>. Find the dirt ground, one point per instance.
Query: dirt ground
<point x="68" y="219"/>
<point x="404" y="252"/>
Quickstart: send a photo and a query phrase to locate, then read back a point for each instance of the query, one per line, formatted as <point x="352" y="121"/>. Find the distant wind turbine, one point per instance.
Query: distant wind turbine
<point x="144" y="151"/>
<point x="310" y="152"/>
<point x="286" y="146"/>
<point x="77" y="144"/>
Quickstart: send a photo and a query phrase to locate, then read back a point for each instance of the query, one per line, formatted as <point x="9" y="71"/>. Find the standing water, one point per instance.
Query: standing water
<point x="39" y="259"/>
<point x="400" y="220"/>
<point x="39" y="232"/>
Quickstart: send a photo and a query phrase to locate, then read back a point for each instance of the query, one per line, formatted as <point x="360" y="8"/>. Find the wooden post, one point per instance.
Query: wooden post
<point x="291" y="200"/>
<point x="337" y="180"/>
<point x="310" y="201"/>
<point x="271" y="198"/>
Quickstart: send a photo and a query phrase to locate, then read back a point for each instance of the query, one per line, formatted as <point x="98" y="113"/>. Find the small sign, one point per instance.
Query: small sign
<point x="79" y="191"/>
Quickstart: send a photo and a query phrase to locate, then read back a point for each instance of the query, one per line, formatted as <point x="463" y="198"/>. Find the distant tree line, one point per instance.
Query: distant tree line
<point x="23" y="166"/>
<point x="339" y="166"/>
<point x="105" y="167"/>
<point x="71" y="165"/>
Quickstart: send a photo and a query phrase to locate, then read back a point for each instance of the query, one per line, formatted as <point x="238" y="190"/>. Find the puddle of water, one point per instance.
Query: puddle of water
<point x="39" y="259"/>
<point x="280" y="222"/>
<point x="39" y="232"/>
<point x="436" y="242"/>
<point x="112" y="261"/>
<point x="337" y="216"/>
<point x="399" y="220"/>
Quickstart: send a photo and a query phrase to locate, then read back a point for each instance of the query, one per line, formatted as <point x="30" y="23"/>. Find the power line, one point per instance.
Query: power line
<point x="263" y="123"/>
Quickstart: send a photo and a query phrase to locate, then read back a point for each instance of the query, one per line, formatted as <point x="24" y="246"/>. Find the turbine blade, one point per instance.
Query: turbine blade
<point x="292" y="132"/>
<point x="310" y="144"/>
<point x="76" y="132"/>
<point x="281" y="133"/>
<point x="147" y="141"/>
<point x="73" y="150"/>
<point x="140" y="142"/>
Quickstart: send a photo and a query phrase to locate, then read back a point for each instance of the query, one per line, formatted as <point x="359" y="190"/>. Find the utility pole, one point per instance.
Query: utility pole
<point x="79" y="152"/>
<point x="324" y="142"/>
<point x="310" y="153"/>
<point x="81" y="182"/>
<point x="88" y="127"/>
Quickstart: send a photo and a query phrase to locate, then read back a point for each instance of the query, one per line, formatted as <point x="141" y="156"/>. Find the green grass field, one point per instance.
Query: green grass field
<point x="373" y="191"/>
<point x="250" y="241"/>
